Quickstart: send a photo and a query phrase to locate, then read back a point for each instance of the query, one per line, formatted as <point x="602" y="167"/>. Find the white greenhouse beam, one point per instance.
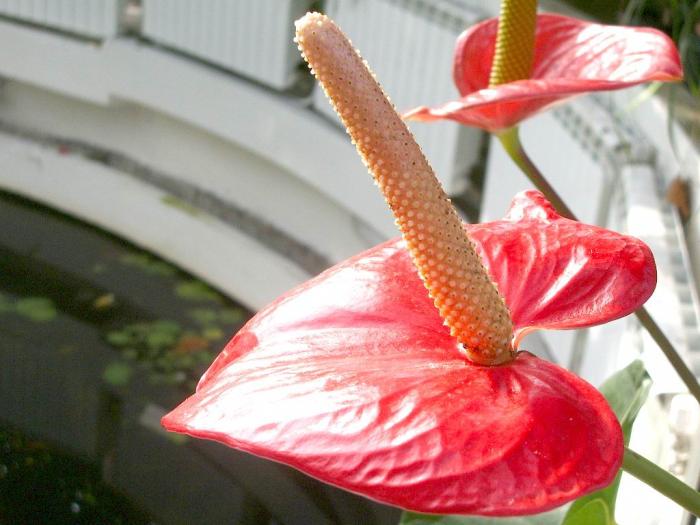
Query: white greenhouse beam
<point x="143" y="215"/>
<point x="275" y="127"/>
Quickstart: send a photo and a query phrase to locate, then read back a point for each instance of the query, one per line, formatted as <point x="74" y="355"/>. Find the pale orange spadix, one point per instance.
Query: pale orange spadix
<point x="450" y="267"/>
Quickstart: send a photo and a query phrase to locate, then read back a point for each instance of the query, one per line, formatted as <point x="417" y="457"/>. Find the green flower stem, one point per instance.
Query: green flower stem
<point x="647" y="321"/>
<point x="662" y="481"/>
<point x="511" y="143"/>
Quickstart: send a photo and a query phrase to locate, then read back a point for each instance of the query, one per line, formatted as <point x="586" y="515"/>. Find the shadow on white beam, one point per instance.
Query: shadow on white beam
<point x="235" y="263"/>
<point x="273" y="126"/>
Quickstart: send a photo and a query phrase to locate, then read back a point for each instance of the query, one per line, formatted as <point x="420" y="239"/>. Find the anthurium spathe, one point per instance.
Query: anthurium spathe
<point x="354" y="379"/>
<point x="571" y="57"/>
<point x="397" y="374"/>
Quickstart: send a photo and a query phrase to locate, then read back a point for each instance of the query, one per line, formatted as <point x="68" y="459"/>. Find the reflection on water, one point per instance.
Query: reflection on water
<point x="97" y="340"/>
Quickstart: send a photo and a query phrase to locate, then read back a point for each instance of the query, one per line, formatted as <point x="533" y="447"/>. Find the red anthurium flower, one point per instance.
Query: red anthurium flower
<point x="571" y="57"/>
<point x="354" y="379"/>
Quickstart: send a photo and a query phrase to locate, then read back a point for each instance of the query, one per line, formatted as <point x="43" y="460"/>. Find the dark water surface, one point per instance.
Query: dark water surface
<point x="97" y="340"/>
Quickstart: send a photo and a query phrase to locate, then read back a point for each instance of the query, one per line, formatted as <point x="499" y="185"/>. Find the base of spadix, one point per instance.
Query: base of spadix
<point x="483" y="358"/>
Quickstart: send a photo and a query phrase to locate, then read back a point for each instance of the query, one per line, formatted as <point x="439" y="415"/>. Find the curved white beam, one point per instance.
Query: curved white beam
<point x="233" y="262"/>
<point x="273" y="126"/>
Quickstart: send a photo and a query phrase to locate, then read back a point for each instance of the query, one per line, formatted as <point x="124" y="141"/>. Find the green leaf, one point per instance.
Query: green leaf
<point x="553" y="517"/>
<point x="626" y="391"/>
<point x="594" y="511"/>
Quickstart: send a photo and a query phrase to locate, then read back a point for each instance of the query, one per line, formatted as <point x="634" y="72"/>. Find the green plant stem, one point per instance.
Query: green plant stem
<point x="511" y="143"/>
<point x="662" y="481"/>
<point x="647" y="321"/>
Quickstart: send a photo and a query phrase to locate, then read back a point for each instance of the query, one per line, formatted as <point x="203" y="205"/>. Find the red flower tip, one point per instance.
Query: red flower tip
<point x="354" y="379"/>
<point x="572" y="57"/>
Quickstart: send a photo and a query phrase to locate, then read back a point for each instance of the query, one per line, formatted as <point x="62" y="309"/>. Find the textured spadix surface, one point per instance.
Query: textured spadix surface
<point x="353" y="378"/>
<point x="572" y="57"/>
<point x="446" y="259"/>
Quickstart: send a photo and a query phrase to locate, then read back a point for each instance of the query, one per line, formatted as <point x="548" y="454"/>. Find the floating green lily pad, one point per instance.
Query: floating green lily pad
<point x="196" y="290"/>
<point x="158" y="339"/>
<point x="166" y="326"/>
<point x="231" y="315"/>
<point x="39" y="309"/>
<point x="119" y="338"/>
<point x="204" y="316"/>
<point x="148" y="263"/>
<point x="213" y="333"/>
<point x="117" y="373"/>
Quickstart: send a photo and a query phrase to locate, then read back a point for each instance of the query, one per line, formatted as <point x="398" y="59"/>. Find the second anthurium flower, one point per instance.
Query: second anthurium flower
<point x="571" y="57"/>
<point x="409" y="386"/>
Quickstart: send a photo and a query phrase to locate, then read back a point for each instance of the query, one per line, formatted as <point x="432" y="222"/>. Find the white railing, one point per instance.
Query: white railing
<point x="254" y="39"/>
<point x="95" y="19"/>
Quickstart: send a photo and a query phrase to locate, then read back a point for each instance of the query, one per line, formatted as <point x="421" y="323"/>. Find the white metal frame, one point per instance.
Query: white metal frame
<point x="81" y="17"/>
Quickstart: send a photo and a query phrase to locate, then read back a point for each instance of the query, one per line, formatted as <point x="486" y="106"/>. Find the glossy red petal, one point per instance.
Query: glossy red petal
<point x="353" y="379"/>
<point x="572" y="57"/>
<point x="557" y="273"/>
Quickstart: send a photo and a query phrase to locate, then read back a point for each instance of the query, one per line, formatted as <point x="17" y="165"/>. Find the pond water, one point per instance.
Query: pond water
<point x="98" y="339"/>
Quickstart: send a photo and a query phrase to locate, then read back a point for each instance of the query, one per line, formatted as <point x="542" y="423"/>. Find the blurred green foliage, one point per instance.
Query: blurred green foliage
<point x="37" y="309"/>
